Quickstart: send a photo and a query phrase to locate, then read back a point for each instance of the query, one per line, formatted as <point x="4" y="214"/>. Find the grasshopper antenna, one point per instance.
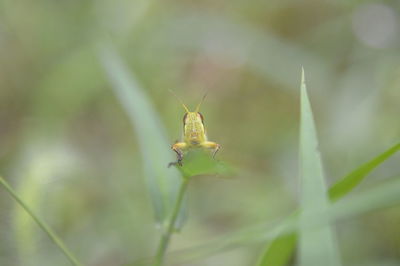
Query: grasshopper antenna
<point x="183" y="105"/>
<point x="202" y="100"/>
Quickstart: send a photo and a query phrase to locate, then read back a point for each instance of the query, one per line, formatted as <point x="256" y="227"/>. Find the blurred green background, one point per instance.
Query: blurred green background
<point x="68" y="147"/>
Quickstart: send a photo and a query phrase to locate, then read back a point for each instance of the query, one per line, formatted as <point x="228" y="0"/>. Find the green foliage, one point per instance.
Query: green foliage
<point x="87" y="141"/>
<point x="317" y="246"/>
<point x="349" y="182"/>
<point x="199" y="162"/>
<point x="280" y="250"/>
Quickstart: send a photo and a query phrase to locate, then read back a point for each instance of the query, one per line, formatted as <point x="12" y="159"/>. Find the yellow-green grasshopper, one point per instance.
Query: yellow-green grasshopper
<point x="194" y="133"/>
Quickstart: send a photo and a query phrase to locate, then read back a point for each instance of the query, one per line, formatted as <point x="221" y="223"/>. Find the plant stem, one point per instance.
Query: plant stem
<point x="52" y="235"/>
<point x="164" y="241"/>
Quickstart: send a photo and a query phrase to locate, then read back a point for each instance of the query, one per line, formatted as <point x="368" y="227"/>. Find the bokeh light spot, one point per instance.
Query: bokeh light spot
<point x="375" y="25"/>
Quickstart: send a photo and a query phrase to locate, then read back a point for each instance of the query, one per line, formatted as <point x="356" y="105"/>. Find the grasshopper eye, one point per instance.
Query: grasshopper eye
<point x="184" y="118"/>
<point x="201" y="116"/>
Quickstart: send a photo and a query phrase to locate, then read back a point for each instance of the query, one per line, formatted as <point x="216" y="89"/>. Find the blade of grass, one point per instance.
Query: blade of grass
<point x="283" y="247"/>
<point x="381" y="196"/>
<point x="51" y="234"/>
<point x="273" y="256"/>
<point x="163" y="183"/>
<point x="349" y="182"/>
<point x="317" y="246"/>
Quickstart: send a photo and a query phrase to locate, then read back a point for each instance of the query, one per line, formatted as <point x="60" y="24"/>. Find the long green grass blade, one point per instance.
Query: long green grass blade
<point x="283" y="246"/>
<point x="52" y="235"/>
<point x="317" y="246"/>
<point x="384" y="195"/>
<point x="273" y="256"/>
<point x="163" y="183"/>
<point x="350" y="181"/>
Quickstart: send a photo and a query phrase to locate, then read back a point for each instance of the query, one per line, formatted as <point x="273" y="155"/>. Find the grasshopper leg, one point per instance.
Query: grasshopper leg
<point x="211" y="145"/>
<point x="178" y="148"/>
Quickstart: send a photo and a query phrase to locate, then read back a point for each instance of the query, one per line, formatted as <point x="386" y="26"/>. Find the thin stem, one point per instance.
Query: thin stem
<point x="52" y="235"/>
<point x="164" y="241"/>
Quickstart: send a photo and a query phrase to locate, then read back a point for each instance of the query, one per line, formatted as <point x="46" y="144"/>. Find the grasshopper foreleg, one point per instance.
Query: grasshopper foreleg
<point x="211" y="145"/>
<point x="178" y="148"/>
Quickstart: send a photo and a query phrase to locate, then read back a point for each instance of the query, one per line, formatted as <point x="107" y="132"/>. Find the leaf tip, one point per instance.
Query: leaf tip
<point x="303" y="79"/>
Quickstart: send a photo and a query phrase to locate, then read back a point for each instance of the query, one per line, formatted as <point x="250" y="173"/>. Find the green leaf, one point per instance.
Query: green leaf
<point x="163" y="183"/>
<point x="317" y="246"/>
<point x="337" y="191"/>
<point x="350" y="181"/>
<point x="284" y="248"/>
<point x="383" y="195"/>
<point x="274" y="254"/>
<point x="198" y="162"/>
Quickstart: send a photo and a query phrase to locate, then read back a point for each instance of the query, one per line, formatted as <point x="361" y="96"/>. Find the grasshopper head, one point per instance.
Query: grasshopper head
<point x="192" y="117"/>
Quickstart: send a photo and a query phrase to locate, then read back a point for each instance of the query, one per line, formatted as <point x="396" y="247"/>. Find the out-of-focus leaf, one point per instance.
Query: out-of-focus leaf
<point x="39" y="171"/>
<point x="383" y="195"/>
<point x="337" y="191"/>
<point x="274" y="254"/>
<point x="350" y="181"/>
<point x="163" y="183"/>
<point x="50" y="233"/>
<point x="283" y="246"/>
<point x="198" y="162"/>
<point x="317" y="246"/>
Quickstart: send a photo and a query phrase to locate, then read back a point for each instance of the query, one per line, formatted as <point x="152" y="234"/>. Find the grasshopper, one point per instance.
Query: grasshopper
<point x="194" y="133"/>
